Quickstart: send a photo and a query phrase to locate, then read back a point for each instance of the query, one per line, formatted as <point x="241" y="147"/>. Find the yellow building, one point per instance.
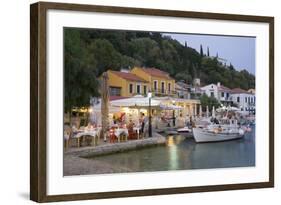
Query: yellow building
<point x="126" y="84"/>
<point x="140" y="81"/>
<point x="160" y="82"/>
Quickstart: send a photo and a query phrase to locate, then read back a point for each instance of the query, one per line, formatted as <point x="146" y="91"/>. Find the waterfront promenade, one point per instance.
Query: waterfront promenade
<point x="76" y="162"/>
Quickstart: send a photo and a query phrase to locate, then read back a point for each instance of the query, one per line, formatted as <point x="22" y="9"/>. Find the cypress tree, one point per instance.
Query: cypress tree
<point x="201" y="51"/>
<point x="208" y="52"/>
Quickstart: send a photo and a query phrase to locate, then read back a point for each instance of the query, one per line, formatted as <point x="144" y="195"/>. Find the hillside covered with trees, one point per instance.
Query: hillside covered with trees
<point x="90" y="52"/>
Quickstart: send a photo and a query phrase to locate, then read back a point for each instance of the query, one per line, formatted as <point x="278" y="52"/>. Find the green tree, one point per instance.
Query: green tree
<point x="90" y="52"/>
<point x="153" y="49"/>
<point x="231" y="67"/>
<point x="183" y="76"/>
<point x="105" y="54"/>
<point x="201" y="51"/>
<point x="129" y="62"/>
<point x="145" y="50"/>
<point x="209" y="101"/>
<point x="80" y="83"/>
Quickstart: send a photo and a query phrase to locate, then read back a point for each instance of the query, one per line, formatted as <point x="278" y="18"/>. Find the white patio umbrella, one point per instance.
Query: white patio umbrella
<point x="200" y="111"/>
<point x="170" y="107"/>
<point x="207" y="111"/>
<point x="96" y="113"/>
<point x="136" y="101"/>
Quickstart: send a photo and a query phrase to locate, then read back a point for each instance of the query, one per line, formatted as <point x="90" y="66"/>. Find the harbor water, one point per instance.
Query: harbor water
<point x="183" y="153"/>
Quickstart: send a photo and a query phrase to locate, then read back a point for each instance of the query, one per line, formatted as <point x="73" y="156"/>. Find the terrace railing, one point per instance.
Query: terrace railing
<point x="164" y="92"/>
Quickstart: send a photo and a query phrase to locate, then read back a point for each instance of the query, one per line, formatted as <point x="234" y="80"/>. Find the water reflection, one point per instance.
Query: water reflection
<point x="173" y="151"/>
<point x="182" y="153"/>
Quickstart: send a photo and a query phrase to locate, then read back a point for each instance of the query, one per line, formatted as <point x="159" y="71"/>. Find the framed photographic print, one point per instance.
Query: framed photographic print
<point x="135" y="102"/>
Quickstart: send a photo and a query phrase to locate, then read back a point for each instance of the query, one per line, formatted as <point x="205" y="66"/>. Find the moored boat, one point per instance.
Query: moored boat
<point x="217" y="133"/>
<point x="184" y="130"/>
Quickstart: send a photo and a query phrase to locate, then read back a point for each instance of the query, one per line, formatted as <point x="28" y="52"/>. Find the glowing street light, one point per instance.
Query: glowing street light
<point x="90" y="110"/>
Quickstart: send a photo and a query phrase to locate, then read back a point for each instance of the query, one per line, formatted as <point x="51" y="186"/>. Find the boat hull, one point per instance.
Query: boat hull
<point x="184" y="130"/>
<point x="201" y="135"/>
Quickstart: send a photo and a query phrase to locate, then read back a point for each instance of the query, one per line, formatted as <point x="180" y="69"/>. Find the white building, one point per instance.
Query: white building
<point x="245" y="100"/>
<point x="196" y="82"/>
<point x="220" y="92"/>
<point x="183" y="90"/>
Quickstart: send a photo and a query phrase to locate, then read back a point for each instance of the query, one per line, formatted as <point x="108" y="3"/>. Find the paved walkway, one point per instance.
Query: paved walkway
<point x="76" y="163"/>
<point x="109" y="148"/>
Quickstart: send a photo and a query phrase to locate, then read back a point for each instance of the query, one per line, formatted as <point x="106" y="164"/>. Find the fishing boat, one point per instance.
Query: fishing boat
<point x="216" y="133"/>
<point x="184" y="130"/>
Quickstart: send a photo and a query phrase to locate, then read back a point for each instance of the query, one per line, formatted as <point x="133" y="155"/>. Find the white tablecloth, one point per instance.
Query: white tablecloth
<point x="120" y="131"/>
<point x="91" y="132"/>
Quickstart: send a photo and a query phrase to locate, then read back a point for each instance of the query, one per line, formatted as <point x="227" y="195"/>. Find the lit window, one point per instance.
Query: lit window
<point x="115" y="91"/>
<point x="162" y="87"/>
<point x="138" y="89"/>
<point x="155" y="85"/>
<point x="144" y="89"/>
<point x="131" y="88"/>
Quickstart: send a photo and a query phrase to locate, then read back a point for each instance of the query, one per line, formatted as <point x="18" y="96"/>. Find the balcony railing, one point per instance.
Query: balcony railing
<point x="164" y="92"/>
<point x="227" y="99"/>
<point x="251" y="104"/>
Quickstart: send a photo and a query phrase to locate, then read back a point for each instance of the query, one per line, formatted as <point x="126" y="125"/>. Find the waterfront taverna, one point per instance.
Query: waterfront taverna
<point x="139" y="81"/>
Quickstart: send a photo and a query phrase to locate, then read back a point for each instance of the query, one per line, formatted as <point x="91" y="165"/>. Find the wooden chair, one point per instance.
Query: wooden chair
<point x="132" y="133"/>
<point x="112" y="137"/>
<point x="67" y="134"/>
<point x="66" y="138"/>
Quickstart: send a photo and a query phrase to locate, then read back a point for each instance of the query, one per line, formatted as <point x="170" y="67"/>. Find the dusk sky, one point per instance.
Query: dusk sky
<point x="239" y="51"/>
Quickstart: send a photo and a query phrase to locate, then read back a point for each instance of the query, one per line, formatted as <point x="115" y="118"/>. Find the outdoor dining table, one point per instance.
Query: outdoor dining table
<point x="119" y="131"/>
<point x="87" y="132"/>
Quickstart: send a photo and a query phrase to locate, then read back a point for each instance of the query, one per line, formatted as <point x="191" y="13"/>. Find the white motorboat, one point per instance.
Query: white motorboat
<point x="184" y="129"/>
<point x="215" y="133"/>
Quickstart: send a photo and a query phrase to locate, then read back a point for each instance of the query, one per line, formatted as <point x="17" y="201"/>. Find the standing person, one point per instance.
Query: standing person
<point x="216" y="121"/>
<point x="145" y="125"/>
<point x="142" y="121"/>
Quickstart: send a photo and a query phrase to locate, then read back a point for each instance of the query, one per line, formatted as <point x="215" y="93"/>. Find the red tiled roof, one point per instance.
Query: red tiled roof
<point x="111" y="98"/>
<point x="239" y="90"/>
<point x="223" y="88"/>
<point x="129" y="76"/>
<point x="157" y="73"/>
<point x="198" y="89"/>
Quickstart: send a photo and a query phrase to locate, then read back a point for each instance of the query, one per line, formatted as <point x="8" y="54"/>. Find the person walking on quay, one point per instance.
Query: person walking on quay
<point x="143" y="121"/>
